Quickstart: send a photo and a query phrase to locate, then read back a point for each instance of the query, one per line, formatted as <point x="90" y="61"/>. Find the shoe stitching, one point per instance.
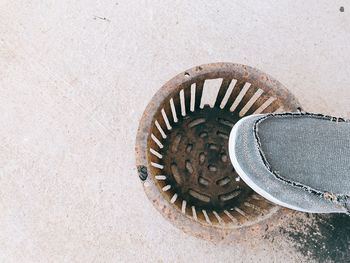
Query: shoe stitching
<point x="341" y="199"/>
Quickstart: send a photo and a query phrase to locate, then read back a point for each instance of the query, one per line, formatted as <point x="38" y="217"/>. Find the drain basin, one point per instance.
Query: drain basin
<point x="182" y="145"/>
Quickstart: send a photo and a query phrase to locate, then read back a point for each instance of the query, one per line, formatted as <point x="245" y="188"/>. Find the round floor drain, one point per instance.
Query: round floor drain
<point x="182" y="145"/>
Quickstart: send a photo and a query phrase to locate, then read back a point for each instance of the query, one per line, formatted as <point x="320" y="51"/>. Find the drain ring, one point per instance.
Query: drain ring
<point x="181" y="146"/>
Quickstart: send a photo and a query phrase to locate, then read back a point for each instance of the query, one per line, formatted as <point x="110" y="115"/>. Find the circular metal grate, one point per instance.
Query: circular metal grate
<point x="182" y="145"/>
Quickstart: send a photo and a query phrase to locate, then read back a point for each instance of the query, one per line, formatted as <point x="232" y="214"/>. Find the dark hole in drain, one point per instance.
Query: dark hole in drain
<point x="204" y="177"/>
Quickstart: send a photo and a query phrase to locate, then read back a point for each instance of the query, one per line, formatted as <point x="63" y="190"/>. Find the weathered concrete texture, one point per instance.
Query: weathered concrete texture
<point x="75" y="77"/>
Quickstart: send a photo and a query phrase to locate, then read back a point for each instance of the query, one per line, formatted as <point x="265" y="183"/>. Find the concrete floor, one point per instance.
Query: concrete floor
<point x="75" y="77"/>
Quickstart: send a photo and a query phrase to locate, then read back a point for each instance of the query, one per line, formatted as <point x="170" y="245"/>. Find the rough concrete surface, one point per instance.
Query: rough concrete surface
<point x="75" y="77"/>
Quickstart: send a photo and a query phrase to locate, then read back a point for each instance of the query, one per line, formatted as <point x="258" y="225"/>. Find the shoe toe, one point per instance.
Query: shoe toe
<point x="247" y="161"/>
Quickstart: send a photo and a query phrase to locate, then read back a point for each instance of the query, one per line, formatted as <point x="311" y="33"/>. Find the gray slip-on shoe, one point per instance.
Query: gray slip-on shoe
<point x="297" y="160"/>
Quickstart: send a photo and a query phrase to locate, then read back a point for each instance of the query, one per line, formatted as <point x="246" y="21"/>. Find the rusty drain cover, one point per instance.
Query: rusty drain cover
<point x="182" y="145"/>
